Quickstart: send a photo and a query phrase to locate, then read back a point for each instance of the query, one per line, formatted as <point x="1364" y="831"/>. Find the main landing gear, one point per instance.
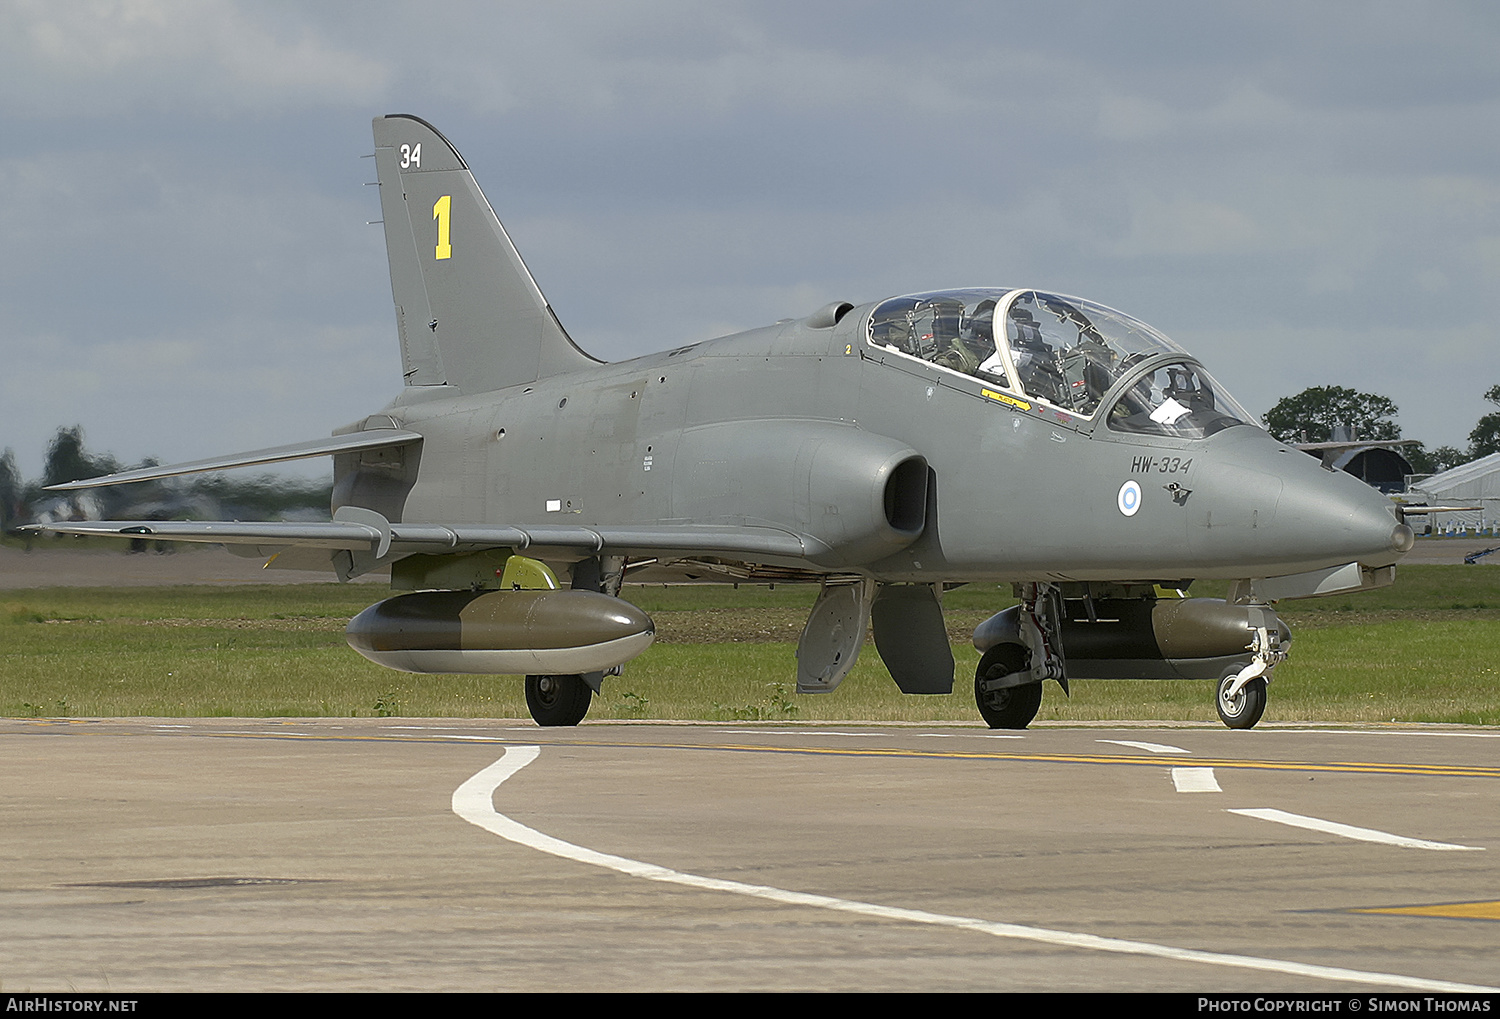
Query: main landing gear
<point x="558" y="700"/>
<point x="1118" y="631"/>
<point x="564" y="700"/>
<point x="1006" y="705"/>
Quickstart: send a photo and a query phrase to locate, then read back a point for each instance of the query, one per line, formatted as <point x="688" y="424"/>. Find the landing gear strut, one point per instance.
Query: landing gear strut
<point x="558" y="700"/>
<point x="1241" y="697"/>
<point x="564" y="700"/>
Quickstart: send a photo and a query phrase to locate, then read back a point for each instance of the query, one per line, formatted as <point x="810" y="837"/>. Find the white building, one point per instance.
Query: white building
<point x="1476" y="483"/>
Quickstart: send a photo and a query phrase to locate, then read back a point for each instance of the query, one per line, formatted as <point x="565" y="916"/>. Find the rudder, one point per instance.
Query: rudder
<point x="468" y="313"/>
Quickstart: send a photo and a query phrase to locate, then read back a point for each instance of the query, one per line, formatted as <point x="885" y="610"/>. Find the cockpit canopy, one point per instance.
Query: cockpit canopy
<point x="1062" y="351"/>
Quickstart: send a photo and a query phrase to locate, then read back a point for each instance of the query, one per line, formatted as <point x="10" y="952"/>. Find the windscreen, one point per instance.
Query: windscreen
<point x="1180" y="400"/>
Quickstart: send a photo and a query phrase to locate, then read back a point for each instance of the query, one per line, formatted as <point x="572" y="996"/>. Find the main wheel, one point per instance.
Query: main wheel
<point x="1012" y="707"/>
<point x="558" y="700"/>
<point x="1244" y="709"/>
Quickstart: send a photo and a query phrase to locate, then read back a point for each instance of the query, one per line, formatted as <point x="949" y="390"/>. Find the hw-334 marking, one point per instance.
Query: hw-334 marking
<point x="1160" y="465"/>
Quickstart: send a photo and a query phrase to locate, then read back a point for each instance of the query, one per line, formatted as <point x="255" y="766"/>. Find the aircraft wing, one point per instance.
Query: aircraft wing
<point x="1416" y="511"/>
<point x="364" y="531"/>
<point x="375" y="438"/>
<point x="1308" y="447"/>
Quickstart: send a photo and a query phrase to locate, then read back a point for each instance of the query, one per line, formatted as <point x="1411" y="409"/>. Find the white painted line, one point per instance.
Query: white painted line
<point x="794" y="732"/>
<point x="1155" y="748"/>
<point x="474" y="802"/>
<point x="1348" y="831"/>
<point x="1195" y="780"/>
<point x="257" y="732"/>
<point x="971" y="735"/>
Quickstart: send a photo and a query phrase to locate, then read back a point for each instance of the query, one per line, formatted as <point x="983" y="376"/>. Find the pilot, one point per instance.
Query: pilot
<point x="979" y="328"/>
<point x="949" y="346"/>
<point x="978" y="334"/>
<point x="1184" y="386"/>
<point x="1132" y="411"/>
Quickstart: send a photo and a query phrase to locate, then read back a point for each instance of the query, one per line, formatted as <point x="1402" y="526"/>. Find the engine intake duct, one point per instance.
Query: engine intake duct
<point x="1142" y="638"/>
<point x="549" y="633"/>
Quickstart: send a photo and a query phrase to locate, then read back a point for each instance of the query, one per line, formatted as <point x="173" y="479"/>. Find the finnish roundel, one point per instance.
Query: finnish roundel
<point x="1129" y="499"/>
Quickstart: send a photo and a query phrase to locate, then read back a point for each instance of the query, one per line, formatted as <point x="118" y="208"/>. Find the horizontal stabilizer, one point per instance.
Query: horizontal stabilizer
<point x="376" y="438"/>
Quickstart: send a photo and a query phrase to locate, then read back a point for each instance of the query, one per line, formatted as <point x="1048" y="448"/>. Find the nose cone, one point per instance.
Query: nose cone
<point x="1305" y="517"/>
<point x="1403" y="538"/>
<point x="1331" y="513"/>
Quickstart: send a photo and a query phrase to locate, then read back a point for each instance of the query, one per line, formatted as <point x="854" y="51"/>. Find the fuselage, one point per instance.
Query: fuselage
<point x="777" y="427"/>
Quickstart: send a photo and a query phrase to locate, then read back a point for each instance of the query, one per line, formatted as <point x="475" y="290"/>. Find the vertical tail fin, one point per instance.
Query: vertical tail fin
<point x="468" y="312"/>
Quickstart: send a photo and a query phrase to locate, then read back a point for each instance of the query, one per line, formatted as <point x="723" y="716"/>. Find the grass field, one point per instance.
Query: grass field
<point x="1424" y="650"/>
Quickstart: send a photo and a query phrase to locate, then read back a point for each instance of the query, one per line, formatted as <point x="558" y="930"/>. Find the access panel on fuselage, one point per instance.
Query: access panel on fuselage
<point x="584" y="448"/>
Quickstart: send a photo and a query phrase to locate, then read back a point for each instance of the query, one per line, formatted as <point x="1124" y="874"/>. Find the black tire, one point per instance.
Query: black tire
<point x="1247" y="706"/>
<point x="558" y="700"/>
<point x="1014" y="706"/>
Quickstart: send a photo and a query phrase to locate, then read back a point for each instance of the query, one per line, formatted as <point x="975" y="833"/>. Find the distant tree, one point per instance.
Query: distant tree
<point x="1318" y="410"/>
<point x="67" y="460"/>
<point x="1435" y="461"/>
<point x="10" y="489"/>
<point x="1485" y="438"/>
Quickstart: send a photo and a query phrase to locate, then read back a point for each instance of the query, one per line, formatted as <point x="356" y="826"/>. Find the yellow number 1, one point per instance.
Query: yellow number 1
<point x="442" y="212"/>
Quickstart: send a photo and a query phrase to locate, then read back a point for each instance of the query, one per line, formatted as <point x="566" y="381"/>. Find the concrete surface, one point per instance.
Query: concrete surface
<point x="231" y="854"/>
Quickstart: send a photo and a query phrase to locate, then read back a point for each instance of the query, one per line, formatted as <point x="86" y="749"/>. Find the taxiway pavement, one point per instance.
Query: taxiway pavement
<point x="231" y="854"/>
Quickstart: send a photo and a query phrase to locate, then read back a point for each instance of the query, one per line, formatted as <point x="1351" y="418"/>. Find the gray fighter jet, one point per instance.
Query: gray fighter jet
<point x="887" y="452"/>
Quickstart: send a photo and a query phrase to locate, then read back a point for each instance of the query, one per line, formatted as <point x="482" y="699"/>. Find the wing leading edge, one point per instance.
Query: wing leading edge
<point x="364" y="531"/>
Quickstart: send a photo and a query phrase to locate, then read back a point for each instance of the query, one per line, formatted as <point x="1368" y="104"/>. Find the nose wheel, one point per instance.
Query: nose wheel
<point x="1244" y="708"/>
<point x="558" y="700"/>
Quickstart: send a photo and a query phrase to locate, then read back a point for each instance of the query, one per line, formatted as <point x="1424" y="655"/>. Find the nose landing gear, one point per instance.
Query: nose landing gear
<point x="1243" y="708"/>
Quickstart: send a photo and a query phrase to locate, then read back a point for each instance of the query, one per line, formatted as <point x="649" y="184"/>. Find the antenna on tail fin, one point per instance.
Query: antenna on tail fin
<point x="468" y="313"/>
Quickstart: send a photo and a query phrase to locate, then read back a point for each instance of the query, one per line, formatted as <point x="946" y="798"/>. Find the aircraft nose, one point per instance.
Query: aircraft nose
<point x="1301" y="515"/>
<point x="1340" y="515"/>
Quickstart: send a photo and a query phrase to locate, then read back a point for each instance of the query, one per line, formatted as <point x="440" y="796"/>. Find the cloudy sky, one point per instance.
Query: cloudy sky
<point x="1302" y="194"/>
